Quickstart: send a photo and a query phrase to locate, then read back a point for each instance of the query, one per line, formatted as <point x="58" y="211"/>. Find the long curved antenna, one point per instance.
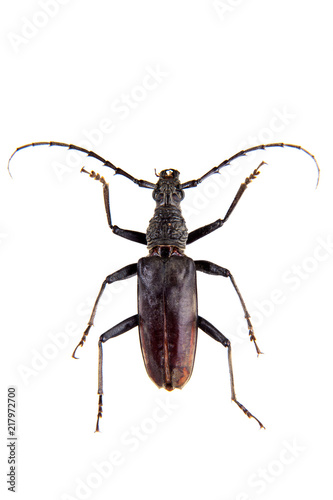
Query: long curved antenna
<point x="106" y="163"/>
<point x="216" y="170"/>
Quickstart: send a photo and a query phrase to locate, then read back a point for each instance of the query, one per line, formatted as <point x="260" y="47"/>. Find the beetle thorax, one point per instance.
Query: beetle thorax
<point x="167" y="227"/>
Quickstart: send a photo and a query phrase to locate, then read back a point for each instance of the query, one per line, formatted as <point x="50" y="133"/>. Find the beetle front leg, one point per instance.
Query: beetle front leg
<point x="124" y="233"/>
<point x="204" y="230"/>
<point x="122" y="274"/>
<point x="210" y="268"/>
<point x="213" y="332"/>
<point x="122" y="327"/>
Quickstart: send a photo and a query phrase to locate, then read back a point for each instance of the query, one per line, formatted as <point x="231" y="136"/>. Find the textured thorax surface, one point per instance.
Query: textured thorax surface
<point x="167" y="227"/>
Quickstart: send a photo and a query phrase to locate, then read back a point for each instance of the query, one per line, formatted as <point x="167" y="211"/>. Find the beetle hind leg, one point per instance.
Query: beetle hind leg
<point x="116" y="330"/>
<point x="233" y="394"/>
<point x="213" y="332"/>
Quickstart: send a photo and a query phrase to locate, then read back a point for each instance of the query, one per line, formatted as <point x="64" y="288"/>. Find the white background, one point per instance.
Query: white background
<point x="231" y="75"/>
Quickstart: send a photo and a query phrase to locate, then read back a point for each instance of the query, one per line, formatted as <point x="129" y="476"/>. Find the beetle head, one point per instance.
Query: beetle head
<point x="168" y="190"/>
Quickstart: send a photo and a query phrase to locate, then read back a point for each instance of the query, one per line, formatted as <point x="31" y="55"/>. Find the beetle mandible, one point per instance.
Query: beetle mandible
<point x="167" y="316"/>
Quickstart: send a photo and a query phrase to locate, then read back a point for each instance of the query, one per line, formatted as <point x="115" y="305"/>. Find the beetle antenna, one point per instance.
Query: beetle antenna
<point x="216" y="170"/>
<point x="157" y="175"/>
<point x="106" y="163"/>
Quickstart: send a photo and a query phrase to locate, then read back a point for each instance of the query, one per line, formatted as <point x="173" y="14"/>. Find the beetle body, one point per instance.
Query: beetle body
<point x="167" y="291"/>
<point x="167" y="315"/>
<point x="167" y="308"/>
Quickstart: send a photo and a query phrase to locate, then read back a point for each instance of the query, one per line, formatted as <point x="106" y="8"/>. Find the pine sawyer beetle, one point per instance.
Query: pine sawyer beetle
<point x="167" y="318"/>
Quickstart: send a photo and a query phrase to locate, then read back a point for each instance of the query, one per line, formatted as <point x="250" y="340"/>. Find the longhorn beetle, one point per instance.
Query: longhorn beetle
<point x="167" y="316"/>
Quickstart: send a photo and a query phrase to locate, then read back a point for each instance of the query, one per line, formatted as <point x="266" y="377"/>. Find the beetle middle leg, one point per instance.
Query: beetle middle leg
<point x="122" y="327"/>
<point x="121" y="274"/>
<point x="213" y="332"/>
<point x="210" y="268"/>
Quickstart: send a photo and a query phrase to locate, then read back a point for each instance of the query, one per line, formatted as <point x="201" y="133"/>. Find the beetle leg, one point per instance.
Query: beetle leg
<point x="122" y="327"/>
<point x="130" y="235"/>
<point x="209" y="228"/>
<point x="213" y="332"/>
<point x="210" y="268"/>
<point x="124" y="233"/>
<point x="121" y="274"/>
